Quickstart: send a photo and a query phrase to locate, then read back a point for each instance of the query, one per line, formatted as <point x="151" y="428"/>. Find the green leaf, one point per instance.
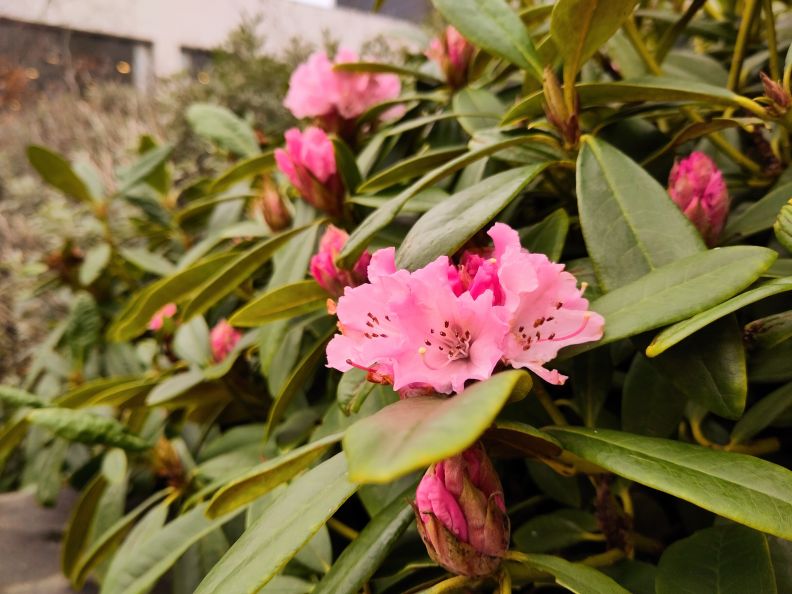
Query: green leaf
<point x="345" y="163"/>
<point x="191" y="342"/>
<point x="381" y="217"/>
<point x="175" y="386"/>
<point x="282" y="530"/>
<point x="481" y="108"/>
<point x="680" y="289"/>
<point x="266" y="476"/>
<point x="234" y="273"/>
<point x="763" y="414"/>
<point x="286" y="301"/>
<point x="495" y="27"/>
<point x="78" y="529"/>
<point x="627" y="217"/>
<point x="548" y="235"/>
<point x="576" y="577"/>
<point x="649" y="88"/>
<point x="723" y="559"/>
<point x="242" y="170"/>
<point x="353" y="389"/>
<point x="143" y="167"/>
<point x="370" y="548"/>
<point x="651" y="405"/>
<point x="759" y="216"/>
<point x="412" y="434"/>
<point x="410" y="168"/>
<point x="96" y="260"/>
<point x="15" y="397"/>
<point x="554" y="531"/>
<point x="224" y="128"/>
<point x="580" y="27"/>
<point x="681" y="330"/>
<point x="742" y="488"/>
<point x="387" y="69"/>
<point x="148" y="261"/>
<point x="515" y="439"/>
<point x="57" y="172"/>
<point x="783" y="226"/>
<point x="444" y="229"/>
<point x="86" y="427"/>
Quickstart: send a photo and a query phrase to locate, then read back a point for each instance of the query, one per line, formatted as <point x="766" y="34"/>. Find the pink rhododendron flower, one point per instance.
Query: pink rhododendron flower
<point x="158" y="319"/>
<point x="308" y="160"/>
<point x="461" y="514"/>
<point x="452" y="52"/>
<point x="546" y="309"/>
<point x="696" y="186"/>
<point x="331" y="278"/>
<point x="318" y="91"/>
<point x="223" y="338"/>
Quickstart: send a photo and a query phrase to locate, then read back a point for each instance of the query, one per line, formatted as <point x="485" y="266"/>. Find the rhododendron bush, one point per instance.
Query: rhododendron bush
<point x="509" y="315"/>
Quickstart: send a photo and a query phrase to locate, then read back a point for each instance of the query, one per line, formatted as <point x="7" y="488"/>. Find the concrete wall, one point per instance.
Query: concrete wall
<point x="170" y="25"/>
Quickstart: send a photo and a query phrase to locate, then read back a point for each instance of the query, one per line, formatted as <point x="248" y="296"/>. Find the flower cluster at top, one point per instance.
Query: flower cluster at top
<point x="445" y="324"/>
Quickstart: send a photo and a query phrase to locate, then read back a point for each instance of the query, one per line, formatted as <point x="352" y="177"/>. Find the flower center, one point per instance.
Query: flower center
<point x="451" y="341"/>
<point x="376" y="329"/>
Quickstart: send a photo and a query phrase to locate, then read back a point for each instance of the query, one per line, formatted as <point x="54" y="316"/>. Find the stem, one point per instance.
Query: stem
<point x="604" y="559"/>
<point x="672" y="33"/>
<point x="449" y="585"/>
<point x="505" y="581"/>
<point x="550" y="407"/>
<point x="343" y="529"/>
<point x="759" y="447"/>
<point x="772" y="42"/>
<point x="635" y="39"/>
<point x="749" y="12"/>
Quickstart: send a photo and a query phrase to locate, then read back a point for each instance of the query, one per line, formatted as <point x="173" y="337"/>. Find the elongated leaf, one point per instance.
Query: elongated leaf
<point x="448" y="226"/>
<point x="233" y="273"/>
<point x="651" y="405"/>
<point x="681" y="330"/>
<point x="514" y="439"/>
<point x="96" y="260"/>
<point x="495" y="27"/>
<point x="482" y="109"/>
<point x="580" y="27"/>
<point x="364" y="555"/>
<point x="547" y="236"/>
<point x="87" y="428"/>
<point x="15" y="397"/>
<point x="57" y="172"/>
<point x="221" y="126"/>
<point x="742" y="488"/>
<point x="650" y="88"/>
<point x="353" y="389"/>
<point x="554" y="531"/>
<point x="148" y="261"/>
<point x="266" y="476"/>
<point x="284" y="527"/>
<point x="287" y="301"/>
<point x="345" y="164"/>
<point x="143" y="167"/>
<point x="759" y="216"/>
<point x="82" y="517"/>
<point x="763" y="414"/>
<point x="576" y="577"/>
<point x="243" y="169"/>
<point x="387" y="69"/>
<point x="723" y="559"/>
<point x="412" y="434"/>
<point x="410" y="168"/>
<point x="627" y="217"/>
<point x="381" y="217"/>
<point x="783" y="226"/>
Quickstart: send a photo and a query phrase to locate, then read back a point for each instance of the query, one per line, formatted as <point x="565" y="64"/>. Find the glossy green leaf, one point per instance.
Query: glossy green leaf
<point x="763" y="414"/>
<point x="412" y="434"/>
<point x="378" y="67"/>
<point x="783" y="226"/>
<point x="345" y="164"/>
<point x="266" y="476"/>
<point x="58" y="172"/>
<point x="514" y="439"/>
<point x="148" y="261"/>
<point x="481" y="108"/>
<point x="143" y="167"/>
<point x="649" y="88"/>
<point x="287" y="301"/>
<point x="495" y="27"/>
<point x="96" y="260"/>
<point x="360" y="237"/>
<point x="759" y="216"/>
<point x="242" y="170"/>
<point x="281" y="530"/>
<point x="576" y="577"/>
<point x="448" y="226"/>
<point x="77" y="533"/>
<point x="548" y="235"/>
<point x="233" y="273"/>
<point x="410" y="168"/>
<point x="580" y="27"/>
<point x="15" y="397"/>
<point x="681" y="330"/>
<point x="554" y="531"/>
<point x="627" y="217"/>
<point x="224" y="128"/>
<point x="370" y="548"/>
<point x="353" y="389"/>
<point x="87" y="428"/>
<point x="724" y="559"/>
<point x="742" y="488"/>
<point x="651" y="405"/>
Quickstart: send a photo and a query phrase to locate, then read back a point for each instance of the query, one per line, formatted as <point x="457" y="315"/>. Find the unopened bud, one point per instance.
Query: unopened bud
<point x="557" y="112"/>
<point x="452" y="53"/>
<point x="324" y="270"/>
<point x="276" y="213"/>
<point x="781" y="100"/>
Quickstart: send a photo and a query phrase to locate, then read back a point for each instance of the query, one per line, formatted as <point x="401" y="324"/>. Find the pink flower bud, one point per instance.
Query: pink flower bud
<point x="696" y="186"/>
<point x="777" y="94"/>
<point x="452" y="52"/>
<point x="273" y="208"/>
<point x="331" y="278"/>
<point x="223" y="338"/>
<point x="309" y="162"/>
<point x="158" y="319"/>
<point x="461" y="515"/>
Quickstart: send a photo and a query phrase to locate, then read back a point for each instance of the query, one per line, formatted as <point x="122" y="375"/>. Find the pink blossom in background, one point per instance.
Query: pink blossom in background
<point x="158" y="319"/>
<point x="308" y="160"/>
<point x="331" y="278"/>
<point x="696" y="186"/>
<point x="452" y="53"/>
<point x="461" y="513"/>
<point x="222" y="339"/>
<point x="318" y="91"/>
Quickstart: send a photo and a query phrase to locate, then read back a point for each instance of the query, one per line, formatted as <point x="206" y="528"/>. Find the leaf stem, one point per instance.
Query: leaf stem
<point x="604" y="559"/>
<point x="749" y="12"/>
<point x="504" y="582"/>
<point x="550" y="407"/>
<point x="449" y="585"/>
<point x="772" y="40"/>
<point x="342" y="529"/>
<point x="672" y="33"/>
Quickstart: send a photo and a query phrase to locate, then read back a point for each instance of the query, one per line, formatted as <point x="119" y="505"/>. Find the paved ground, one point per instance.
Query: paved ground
<point x="30" y="545"/>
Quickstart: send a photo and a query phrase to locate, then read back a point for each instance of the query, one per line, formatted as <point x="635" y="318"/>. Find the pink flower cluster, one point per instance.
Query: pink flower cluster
<point x="696" y="186"/>
<point x="323" y="268"/>
<point x="223" y="338"/>
<point x="318" y="91"/>
<point x="452" y="53"/>
<point x="444" y="324"/>
<point x="309" y="162"/>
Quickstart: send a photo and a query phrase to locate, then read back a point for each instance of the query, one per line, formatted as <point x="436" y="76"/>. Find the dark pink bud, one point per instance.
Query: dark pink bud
<point x="461" y="514"/>
<point x="777" y="94"/>
<point x="452" y="52"/>
<point x="323" y="267"/>
<point x="223" y="338"/>
<point x="272" y="207"/>
<point x="696" y="186"/>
